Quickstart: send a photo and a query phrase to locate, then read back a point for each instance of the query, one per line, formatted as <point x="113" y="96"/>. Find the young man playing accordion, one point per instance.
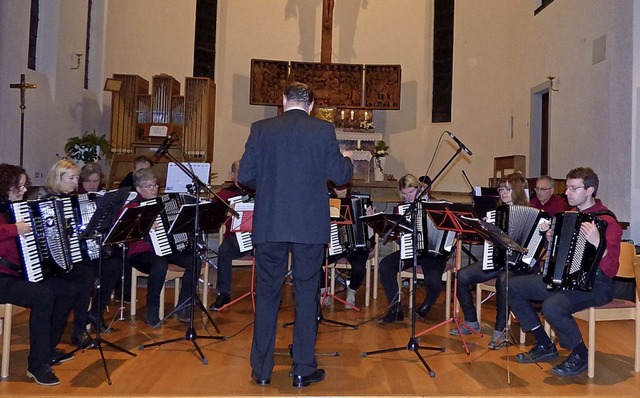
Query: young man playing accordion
<point x="558" y="304"/>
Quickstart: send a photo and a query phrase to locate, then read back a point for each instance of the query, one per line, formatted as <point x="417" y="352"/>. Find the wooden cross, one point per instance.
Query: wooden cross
<point x="327" y="31"/>
<point x="23" y="86"/>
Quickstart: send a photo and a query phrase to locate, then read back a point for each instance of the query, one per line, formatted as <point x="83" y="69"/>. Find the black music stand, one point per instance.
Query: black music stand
<point x="211" y="218"/>
<point x="392" y="226"/>
<point x="500" y="240"/>
<point x="445" y="217"/>
<point x="185" y="222"/>
<point x="197" y="185"/>
<point x="132" y="224"/>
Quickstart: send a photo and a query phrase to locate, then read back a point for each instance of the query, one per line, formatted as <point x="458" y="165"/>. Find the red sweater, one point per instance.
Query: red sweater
<point x="554" y="205"/>
<point x="8" y="245"/>
<point x="143" y="245"/>
<point x="611" y="260"/>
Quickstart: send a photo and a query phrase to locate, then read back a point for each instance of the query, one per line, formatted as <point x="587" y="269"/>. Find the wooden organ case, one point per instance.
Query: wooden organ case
<point x="137" y="116"/>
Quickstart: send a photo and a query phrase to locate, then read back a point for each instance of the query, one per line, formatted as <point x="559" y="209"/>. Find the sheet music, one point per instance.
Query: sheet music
<point x="177" y="180"/>
<point x="245" y="217"/>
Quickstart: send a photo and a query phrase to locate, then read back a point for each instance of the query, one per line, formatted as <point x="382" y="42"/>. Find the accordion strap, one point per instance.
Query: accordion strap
<point x="11" y="265"/>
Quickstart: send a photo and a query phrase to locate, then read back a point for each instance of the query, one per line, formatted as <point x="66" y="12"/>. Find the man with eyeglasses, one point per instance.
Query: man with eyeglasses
<point x="545" y="199"/>
<point x="558" y="306"/>
<point x="142" y="256"/>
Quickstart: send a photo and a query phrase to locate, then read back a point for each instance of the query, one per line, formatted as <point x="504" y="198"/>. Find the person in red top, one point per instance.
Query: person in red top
<point x="558" y="305"/>
<point x="545" y="199"/>
<point x="50" y="300"/>
<point x="142" y="256"/>
<point x="229" y="249"/>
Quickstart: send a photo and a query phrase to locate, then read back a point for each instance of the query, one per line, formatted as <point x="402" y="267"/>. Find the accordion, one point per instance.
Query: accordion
<point x="346" y="238"/>
<point x="440" y="243"/>
<point x="46" y="250"/>
<point x="163" y="243"/>
<point x="522" y="224"/>
<point x="83" y="207"/>
<point x="244" y="238"/>
<point x="572" y="262"/>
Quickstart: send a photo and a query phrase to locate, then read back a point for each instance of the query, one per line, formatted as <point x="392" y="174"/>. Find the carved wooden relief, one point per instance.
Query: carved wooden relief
<point x="382" y="86"/>
<point x="268" y="80"/>
<point x="339" y="84"/>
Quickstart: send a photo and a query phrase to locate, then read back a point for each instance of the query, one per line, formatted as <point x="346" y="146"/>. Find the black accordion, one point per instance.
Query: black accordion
<point x="163" y="243"/>
<point x="572" y="262"/>
<point x="440" y="243"/>
<point x="46" y="250"/>
<point x="522" y="224"/>
<point x="346" y="238"/>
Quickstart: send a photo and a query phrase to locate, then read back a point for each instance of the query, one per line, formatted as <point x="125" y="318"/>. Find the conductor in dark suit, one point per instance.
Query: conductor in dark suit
<point x="288" y="160"/>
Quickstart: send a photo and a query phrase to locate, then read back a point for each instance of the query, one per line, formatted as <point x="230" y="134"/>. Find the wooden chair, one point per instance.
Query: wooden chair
<point x="6" y="313"/>
<point x="246" y="260"/>
<point x="372" y="265"/>
<point x="617" y="309"/>
<point x="447" y="277"/>
<point x="174" y="273"/>
<point x="490" y="286"/>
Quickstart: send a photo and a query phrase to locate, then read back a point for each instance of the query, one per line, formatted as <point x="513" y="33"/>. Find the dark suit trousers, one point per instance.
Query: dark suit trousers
<point x="271" y="267"/>
<point x="50" y="302"/>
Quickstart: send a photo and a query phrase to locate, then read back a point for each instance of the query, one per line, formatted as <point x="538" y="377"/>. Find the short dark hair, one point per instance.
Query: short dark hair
<point x="588" y="176"/>
<point x="89" y="169"/>
<point x="142" y="158"/>
<point x="299" y="92"/>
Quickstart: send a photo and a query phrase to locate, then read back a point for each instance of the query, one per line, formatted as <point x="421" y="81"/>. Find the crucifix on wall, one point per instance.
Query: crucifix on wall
<point x="354" y="89"/>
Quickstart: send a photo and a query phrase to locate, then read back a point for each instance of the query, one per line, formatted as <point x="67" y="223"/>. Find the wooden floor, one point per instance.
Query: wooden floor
<point x="175" y="369"/>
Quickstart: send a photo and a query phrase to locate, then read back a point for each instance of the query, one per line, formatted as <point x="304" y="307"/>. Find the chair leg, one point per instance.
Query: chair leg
<point x="367" y="283"/>
<point x="6" y="340"/>
<point x="592" y="343"/>
<point x="134" y="290"/>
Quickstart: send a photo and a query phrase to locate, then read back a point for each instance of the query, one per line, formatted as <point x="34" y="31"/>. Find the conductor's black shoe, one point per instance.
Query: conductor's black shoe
<point x="58" y="356"/>
<point x="259" y="381"/>
<point x="572" y="366"/>
<point x="305" y="381"/>
<point x="221" y="301"/>
<point x="538" y="353"/>
<point x="82" y="341"/>
<point x="423" y="311"/>
<point x="44" y="376"/>
<point x="394" y="315"/>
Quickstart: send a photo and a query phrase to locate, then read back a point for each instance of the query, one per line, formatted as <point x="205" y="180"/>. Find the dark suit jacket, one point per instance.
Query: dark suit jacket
<point x="288" y="160"/>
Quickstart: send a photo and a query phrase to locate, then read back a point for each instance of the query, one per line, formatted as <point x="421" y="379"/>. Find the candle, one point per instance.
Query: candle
<point x="366" y="116"/>
<point x="351" y="115"/>
<point x="342" y="114"/>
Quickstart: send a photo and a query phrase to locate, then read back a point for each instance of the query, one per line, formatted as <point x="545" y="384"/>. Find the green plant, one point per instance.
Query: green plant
<point x="87" y="148"/>
<point x="380" y="150"/>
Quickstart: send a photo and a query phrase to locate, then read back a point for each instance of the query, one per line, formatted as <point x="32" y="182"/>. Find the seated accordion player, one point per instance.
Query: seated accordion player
<point x="440" y="243"/>
<point x="522" y="224"/>
<point x="572" y="262"/>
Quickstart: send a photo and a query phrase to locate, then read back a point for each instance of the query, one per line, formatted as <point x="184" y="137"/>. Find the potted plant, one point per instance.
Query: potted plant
<point x="379" y="152"/>
<point x="87" y="148"/>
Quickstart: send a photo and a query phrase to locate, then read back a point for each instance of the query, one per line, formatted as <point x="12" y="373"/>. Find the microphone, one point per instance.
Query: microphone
<point x="460" y="144"/>
<point x="164" y="146"/>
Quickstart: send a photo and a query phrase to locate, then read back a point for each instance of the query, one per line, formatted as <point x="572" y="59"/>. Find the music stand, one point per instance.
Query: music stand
<point x="445" y="217"/>
<point x="132" y="224"/>
<point x="391" y="226"/>
<point x="185" y="221"/>
<point x="500" y="240"/>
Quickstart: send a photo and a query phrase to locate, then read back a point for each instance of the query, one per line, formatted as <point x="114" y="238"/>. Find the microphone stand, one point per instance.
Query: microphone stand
<point x="413" y="344"/>
<point x="191" y="334"/>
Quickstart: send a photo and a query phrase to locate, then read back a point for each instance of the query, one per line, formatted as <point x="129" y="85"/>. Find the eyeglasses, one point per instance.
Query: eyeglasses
<point x="542" y="189"/>
<point x="574" y="189"/>
<point x="150" y="186"/>
<point x="504" y="189"/>
<point x="22" y="186"/>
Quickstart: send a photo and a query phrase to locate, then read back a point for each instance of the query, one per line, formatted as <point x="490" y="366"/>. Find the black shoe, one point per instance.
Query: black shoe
<point x="82" y="341"/>
<point x="304" y="381"/>
<point x="572" y="366"/>
<point x="423" y="311"/>
<point x="44" y="376"/>
<point x="259" y="381"/>
<point x="538" y="354"/>
<point x="58" y="356"/>
<point x="394" y="315"/>
<point x="93" y="320"/>
<point x="221" y="301"/>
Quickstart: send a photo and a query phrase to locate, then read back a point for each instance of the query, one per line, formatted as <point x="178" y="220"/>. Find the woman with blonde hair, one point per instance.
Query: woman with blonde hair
<point x="432" y="264"/>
